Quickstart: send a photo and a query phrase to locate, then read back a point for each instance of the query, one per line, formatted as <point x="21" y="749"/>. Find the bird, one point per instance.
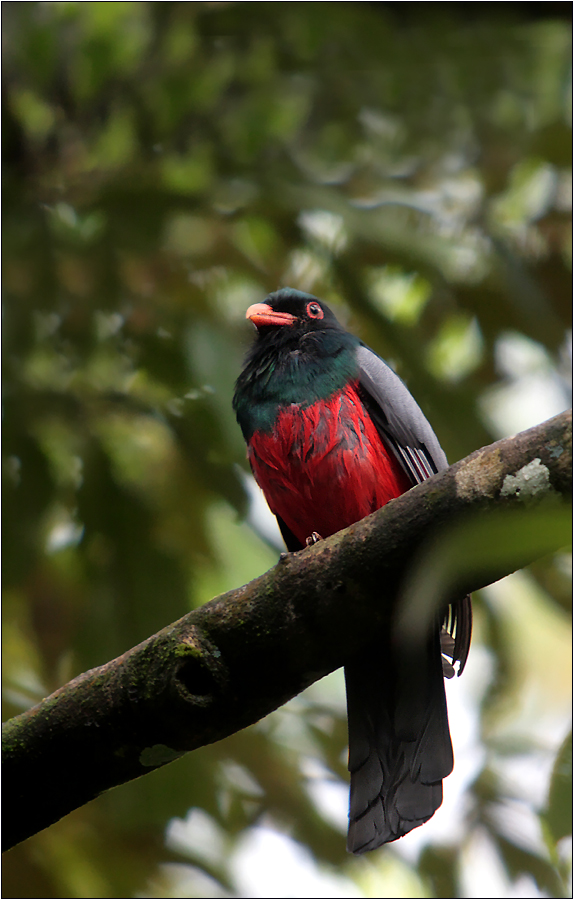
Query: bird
<point x="332" y="435"/>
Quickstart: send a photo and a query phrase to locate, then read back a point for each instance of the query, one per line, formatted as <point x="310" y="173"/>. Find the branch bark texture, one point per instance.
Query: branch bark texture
<point x="229" y="663"/>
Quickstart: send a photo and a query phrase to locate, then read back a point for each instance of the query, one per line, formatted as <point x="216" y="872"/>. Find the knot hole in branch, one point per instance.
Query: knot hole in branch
<point x="200" y="673"/>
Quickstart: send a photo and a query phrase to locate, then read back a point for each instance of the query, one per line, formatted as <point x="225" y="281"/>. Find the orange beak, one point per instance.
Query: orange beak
<point x="262" y="314"/>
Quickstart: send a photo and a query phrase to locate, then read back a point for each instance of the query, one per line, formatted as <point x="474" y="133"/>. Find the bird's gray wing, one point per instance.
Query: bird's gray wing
<point x="398" y="418"/>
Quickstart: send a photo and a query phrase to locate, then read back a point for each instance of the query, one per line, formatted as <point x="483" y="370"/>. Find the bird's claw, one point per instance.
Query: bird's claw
<point x="313" y="538"/>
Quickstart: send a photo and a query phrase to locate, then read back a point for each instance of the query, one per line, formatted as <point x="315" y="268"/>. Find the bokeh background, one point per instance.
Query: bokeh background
<point x="166" y="165"/>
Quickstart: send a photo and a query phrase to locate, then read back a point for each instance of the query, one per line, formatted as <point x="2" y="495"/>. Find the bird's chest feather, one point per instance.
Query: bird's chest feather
<point x="324" y="466"/>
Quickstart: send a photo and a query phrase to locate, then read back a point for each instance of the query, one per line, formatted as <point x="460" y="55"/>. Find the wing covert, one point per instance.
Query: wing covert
<point x="398" y="418"/>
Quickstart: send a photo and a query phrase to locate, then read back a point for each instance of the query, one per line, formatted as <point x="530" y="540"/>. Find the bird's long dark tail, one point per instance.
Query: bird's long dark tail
<point x="399" y="741"/>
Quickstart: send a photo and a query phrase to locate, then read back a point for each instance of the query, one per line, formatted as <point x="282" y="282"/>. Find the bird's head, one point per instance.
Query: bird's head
<point x="301" y="354"/>
<point x="292" y="310"/>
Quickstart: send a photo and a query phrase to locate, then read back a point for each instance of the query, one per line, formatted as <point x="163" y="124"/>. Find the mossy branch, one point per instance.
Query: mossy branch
<point x="229" y="663"/>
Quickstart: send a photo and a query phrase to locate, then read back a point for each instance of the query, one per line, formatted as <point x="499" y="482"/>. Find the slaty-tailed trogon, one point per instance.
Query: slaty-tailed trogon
<point x="332" y="435"/>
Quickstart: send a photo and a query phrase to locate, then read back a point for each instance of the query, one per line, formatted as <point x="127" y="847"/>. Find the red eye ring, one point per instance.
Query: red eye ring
<point x="314" y="311"/>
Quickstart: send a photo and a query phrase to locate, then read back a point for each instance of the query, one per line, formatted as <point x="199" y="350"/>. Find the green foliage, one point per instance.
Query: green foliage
<point x="166" y="165"/>
<point x="559" y="806"/>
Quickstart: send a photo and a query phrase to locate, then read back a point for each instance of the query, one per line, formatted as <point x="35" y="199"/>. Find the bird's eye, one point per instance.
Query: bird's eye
<point x="314" y="311"/>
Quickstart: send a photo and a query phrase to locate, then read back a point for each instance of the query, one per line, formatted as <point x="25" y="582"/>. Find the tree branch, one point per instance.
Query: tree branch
<point x="229" y="663"/>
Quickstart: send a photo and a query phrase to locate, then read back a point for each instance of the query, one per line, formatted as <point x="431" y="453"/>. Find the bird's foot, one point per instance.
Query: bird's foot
<point x="313" y="538"/>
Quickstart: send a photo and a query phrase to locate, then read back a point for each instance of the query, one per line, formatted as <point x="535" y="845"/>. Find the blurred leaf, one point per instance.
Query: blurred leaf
<point x="487" y="543"/>
<point x="558" y="812"/>
<point x="520" y="862"/>
<point x="438" y="865"/>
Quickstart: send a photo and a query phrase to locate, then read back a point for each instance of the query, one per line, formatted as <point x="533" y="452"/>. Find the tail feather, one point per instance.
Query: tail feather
<point x="399" y="742"/>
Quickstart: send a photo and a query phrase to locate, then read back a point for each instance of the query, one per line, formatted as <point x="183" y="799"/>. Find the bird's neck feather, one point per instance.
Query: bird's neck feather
<point x="301" y="371"/>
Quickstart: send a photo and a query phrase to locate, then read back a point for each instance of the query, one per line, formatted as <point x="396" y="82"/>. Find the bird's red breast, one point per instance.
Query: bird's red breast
<point x="324" y="467"/>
